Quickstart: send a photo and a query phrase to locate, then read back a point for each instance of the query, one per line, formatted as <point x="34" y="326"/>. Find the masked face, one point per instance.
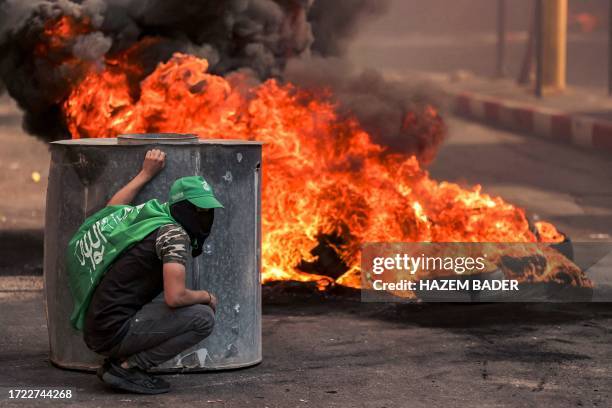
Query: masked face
<point x="196" y="221"/>
<point x="205" y="217"/>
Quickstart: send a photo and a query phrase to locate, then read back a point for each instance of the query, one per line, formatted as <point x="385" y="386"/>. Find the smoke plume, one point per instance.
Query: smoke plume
<point x="393" y="113"/>
<point x="261" y="37"/>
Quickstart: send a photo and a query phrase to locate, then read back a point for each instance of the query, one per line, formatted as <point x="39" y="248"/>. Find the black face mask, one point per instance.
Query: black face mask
<point x="195" y="221"/>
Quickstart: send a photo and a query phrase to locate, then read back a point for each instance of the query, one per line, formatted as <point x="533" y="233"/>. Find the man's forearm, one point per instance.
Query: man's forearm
<point x="126" y="195"/>
<point x="153" y="163"/>
<point x="189" y="297"/>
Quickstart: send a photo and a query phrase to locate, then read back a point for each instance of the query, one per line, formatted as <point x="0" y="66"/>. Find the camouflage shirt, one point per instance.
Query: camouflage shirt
<point x="172" y="244"/>
<point x="133" y="280"/>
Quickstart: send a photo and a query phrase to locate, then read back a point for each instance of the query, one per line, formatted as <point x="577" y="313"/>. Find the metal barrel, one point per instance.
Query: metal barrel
<point x="84" y="175"/>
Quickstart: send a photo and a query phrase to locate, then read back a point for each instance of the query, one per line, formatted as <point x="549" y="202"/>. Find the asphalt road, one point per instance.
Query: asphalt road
<point x="339" y="353"/>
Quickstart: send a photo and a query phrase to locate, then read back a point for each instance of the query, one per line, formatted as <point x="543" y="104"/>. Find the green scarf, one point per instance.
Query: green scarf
<point x="100" y="240"/>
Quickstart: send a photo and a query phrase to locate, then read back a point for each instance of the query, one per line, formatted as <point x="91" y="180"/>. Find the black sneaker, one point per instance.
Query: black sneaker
<point x="159" y="381"/>
<point x="106" y="365"/>
<point x="131" y="379"/>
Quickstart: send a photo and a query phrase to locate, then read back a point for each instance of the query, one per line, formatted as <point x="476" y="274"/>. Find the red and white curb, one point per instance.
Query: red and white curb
<point x="547" y="123"/>
<point x="21" y="283"/>
<point x="20" y="287"/>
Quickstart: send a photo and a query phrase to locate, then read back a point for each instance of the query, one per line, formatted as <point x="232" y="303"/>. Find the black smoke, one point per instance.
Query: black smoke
<point x="395" y="114"/>
<point x="258" y="35"/>
<point x="262" y="37"/>
<point x="334" y="22"/>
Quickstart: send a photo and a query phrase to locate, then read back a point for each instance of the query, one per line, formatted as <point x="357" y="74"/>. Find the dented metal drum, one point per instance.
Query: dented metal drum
<point x="84" y="175"/>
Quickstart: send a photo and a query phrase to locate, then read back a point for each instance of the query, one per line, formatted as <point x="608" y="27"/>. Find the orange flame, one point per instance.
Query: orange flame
<point x="58" y="33"/>
<point x="548" y="232"/>
<point x="323" y="174"/>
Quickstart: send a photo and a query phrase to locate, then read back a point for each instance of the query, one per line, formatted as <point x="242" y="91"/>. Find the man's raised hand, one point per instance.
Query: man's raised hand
<point x="154" y="162"/>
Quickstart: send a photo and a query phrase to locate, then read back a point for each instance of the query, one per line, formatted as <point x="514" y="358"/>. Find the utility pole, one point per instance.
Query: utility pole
<point x="501" y="37"/>
<point x="552" y="45"/>
<point x="539" y="6"/>
<point x="526" y="66"/>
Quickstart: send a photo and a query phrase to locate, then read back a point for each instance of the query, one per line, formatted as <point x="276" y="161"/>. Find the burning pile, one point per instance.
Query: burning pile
<point x="330" y="182"/>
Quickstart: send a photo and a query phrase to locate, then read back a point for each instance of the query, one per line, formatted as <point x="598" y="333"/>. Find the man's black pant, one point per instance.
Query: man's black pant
<point x="158" y="333"/>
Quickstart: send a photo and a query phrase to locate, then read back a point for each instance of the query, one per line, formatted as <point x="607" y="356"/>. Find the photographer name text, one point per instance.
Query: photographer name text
<point x="447" y="285"/>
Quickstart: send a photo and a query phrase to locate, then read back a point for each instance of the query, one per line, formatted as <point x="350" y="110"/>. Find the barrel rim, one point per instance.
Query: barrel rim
<point x="162" y="138"/>
<point x="113" y="141"/>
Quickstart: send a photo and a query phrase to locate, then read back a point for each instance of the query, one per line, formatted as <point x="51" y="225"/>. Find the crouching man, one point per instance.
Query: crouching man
<point x="124" y="256"/>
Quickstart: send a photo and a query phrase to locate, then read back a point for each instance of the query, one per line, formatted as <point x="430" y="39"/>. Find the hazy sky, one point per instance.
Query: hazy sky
<point x="444" y="16"/>
<point x="451" y="35"/>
